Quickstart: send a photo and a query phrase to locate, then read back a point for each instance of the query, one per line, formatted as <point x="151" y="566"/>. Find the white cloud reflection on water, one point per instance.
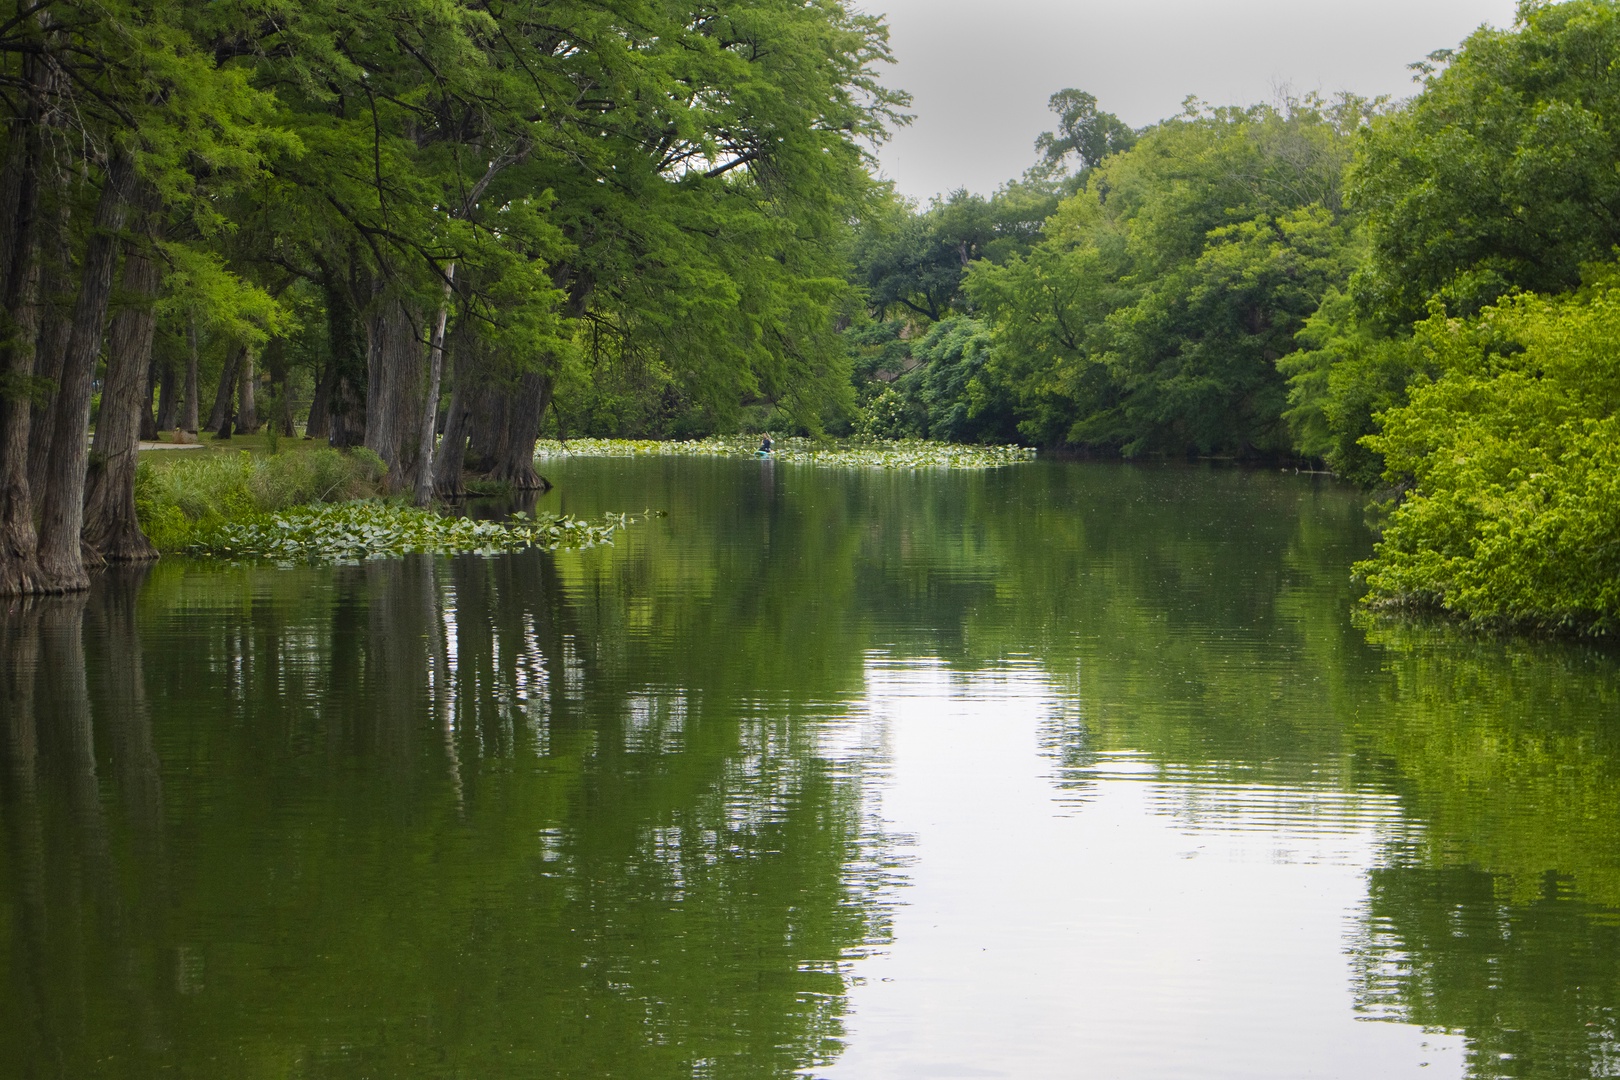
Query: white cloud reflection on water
<point x="1133" y="923"/>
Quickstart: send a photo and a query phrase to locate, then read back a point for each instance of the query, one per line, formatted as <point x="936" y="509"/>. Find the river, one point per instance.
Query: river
<point x="1057" y="770"/>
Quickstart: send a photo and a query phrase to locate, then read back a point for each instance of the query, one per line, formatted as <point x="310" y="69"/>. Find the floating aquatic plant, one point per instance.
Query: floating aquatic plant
<point x="875" y="454"/>
<point x="370" y="530"/>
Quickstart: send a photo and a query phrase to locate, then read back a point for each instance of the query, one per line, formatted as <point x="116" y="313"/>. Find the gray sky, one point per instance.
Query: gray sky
<point x="980" y="71"/>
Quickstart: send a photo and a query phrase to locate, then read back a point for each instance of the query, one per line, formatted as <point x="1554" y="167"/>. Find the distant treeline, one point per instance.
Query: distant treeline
<point x="1422" y="295"/>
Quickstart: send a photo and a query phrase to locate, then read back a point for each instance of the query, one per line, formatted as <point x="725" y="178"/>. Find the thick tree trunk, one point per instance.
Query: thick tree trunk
<point x="317" y="425"/>
<point x="430" y="401"/>
<point x="393" y="390"/>
<point x="225" y="395"/>
<point x="279" y="410"/>
<point x="515" y="460"/>
<point x="451" y="458"/>
<point x="247" y="413"/>
<point x="61" y="561"/>
<point x="168" y="401"/>
<point x="110" y="526"/>
<point x="149" y="425"/>
<point x="346" y="400"/>
<point x="19" y="286"/>
<point x="188" y="414"/>
<point x="486" y="441"/>
<point x="55" y="326"/>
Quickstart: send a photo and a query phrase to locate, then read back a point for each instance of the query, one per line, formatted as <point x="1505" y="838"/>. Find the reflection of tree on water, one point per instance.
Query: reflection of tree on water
<point x="1535" y="984"/>
<point x="86" y="918"/>
<point x="409" y="820"/>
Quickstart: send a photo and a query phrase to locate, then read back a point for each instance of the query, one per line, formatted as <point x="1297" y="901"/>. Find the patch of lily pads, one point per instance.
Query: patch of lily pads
<point x="870" y="454"/>
<point x="370" y="529"/>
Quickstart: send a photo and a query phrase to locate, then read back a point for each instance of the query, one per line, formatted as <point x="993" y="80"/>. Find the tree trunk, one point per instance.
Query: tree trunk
<point x="225" y="395"/>
<point x="317" y="425"/>
<point x="110" y="526"/>
<point x="61" y="561"/>
<point x="392" y="390"/>
<point x="346" y="400"/>
<point x="19" y="287"/>
<point x="487" y="439"/>
<point x="188" y="415"/>
<point x="280" y="407"/>
<point x="430" y="403"/>
<point x="515" y="461"/>
<point x="148" y="422"/>
<point x="55" y="325"/>
<point x="168" y="406"/>
<point x="452" y="456"/>
<point x="247" y="413"/>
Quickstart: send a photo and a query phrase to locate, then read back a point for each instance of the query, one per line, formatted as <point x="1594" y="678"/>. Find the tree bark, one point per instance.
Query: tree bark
<point x="346" y="402"/>
<point x="19" y="287"/>
<point x="188" y="415"/>
<point x="514" y="463"/>
<point x="149" y="425"/>
<point x="168" y="405"/>
<point x="225" y="394"/>
<point x="247" y="413"/>
<point x="392" y="390"/>
<point x="317" y="424"/>
<point x="61" y="561"/>
<point x="430" y="404"/>
<point x="55" y="317"/>
<point x="110" y="526"/>
<point x="452" y="456"/>
<point x="487" y="439"/>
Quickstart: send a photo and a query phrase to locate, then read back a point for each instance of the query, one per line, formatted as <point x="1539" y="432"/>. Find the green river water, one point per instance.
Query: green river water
<point x="1058" y="770"/>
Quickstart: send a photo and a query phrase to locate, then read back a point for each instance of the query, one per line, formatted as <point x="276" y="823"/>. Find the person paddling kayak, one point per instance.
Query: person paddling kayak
<point x="765" y="445"/>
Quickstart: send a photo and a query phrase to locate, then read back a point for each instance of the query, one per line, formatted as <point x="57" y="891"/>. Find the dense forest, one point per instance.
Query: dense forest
<point x="437" y="218"/>
<point x="438" y="229"/>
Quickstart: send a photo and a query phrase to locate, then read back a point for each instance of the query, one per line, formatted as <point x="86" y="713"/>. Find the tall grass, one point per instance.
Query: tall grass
<point x="179" y="498"/>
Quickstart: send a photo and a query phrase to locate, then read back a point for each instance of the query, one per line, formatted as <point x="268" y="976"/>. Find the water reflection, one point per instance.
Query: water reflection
<point x="1092" y="763"/>
<point x="402" y="818"/>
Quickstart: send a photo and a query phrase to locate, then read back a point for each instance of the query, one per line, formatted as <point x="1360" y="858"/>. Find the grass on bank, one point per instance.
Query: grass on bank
<point x="870" y="454"/>
<point x="183" y="496"/>
<point x="317" y="504"/>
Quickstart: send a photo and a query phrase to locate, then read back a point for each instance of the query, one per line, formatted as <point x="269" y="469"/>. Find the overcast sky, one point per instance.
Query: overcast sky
<point x="980" y="71"/>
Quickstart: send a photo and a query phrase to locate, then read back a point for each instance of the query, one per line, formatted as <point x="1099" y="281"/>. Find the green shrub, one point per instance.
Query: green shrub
<point x="1513" y="457"/>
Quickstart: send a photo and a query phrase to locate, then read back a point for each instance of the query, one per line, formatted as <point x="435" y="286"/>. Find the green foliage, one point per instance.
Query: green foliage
<point x="1346" y="374"/>
<point x="1500" y="174"/>
<point x="1083" y="131"/>
<point x="956" y="388"/>
<point x="1151" y="316"/>
<point x="1513" y="454"/>
<point x="914" y="261"/>
<point x="885" y="416"/>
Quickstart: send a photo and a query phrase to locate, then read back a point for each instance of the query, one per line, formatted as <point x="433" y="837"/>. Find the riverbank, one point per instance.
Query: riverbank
<point x="293" y="500"/>
<point x="312" y="503"/>
<point x="848" y="453"/>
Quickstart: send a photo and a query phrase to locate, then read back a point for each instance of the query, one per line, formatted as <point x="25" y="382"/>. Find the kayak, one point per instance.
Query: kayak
<point x="762" y="453"/>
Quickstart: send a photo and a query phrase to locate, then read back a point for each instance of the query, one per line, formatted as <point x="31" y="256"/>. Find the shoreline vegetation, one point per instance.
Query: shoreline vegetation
<point x="317" y="504"/>
<point x="440" y="232"/>
<point x="304" y="503"/>
<point x="851" y="453"/>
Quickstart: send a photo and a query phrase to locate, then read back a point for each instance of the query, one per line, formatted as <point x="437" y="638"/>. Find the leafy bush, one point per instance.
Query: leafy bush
<point x="177" y="496"/>
<point x="1513" y="455"/>
<point x="886" y="416"/>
